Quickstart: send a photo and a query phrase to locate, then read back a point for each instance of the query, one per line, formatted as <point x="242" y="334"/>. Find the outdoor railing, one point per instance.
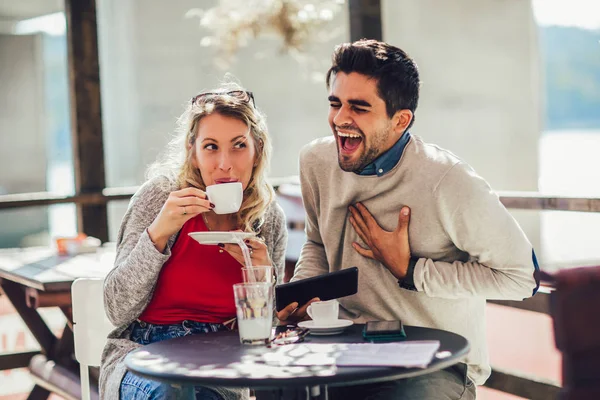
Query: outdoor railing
<point x="514" y="200"/>
<point x="512" y="382"/>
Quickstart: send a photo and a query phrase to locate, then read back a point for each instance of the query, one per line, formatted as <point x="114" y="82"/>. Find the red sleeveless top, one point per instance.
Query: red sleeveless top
<point x="196" y="282"/>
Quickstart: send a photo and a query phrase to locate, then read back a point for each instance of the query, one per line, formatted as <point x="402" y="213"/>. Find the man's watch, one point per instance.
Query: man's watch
<point x="408" y="281"/>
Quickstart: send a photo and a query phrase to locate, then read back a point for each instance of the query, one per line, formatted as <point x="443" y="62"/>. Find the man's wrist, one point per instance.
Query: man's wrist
<point x="408" y="282"/>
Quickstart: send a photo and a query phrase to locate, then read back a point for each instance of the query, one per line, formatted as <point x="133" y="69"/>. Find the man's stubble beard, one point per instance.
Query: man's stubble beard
<point x="365" y="159"/>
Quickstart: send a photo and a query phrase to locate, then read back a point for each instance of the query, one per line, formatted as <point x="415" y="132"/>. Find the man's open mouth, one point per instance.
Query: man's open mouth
<point x="349" y="142"/>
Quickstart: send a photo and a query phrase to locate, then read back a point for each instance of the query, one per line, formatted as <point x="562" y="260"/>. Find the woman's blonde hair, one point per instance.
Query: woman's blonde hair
<point x="176" y="162"/>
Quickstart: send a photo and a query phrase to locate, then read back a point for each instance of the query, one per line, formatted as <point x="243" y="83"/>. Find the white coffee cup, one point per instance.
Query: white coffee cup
<point x="227" y="197"/>
<point x="324" y="312"/>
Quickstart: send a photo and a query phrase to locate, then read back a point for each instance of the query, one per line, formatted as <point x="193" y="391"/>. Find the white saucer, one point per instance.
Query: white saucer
<point x="220" y="237"/>
<point x="332" y="328"/>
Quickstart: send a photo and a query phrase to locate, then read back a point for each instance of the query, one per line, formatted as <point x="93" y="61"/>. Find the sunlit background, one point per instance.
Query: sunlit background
<point x="540" y="132"/>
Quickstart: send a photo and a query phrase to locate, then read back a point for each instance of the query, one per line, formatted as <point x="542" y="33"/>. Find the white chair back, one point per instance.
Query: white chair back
<point x="90" y="326"/>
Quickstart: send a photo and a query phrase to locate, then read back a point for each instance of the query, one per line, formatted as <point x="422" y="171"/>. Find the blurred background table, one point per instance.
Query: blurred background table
<point x="37" y="277"/>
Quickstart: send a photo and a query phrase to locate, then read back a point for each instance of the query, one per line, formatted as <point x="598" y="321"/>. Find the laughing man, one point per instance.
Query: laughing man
<point x="431" y="239"/>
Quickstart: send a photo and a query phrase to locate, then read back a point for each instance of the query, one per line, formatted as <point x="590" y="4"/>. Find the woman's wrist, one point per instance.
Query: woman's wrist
<point x="159" y="241"/>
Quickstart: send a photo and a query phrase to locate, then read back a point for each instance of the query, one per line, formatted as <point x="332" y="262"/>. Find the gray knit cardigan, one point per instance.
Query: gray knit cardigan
<point x="129" y="286"/>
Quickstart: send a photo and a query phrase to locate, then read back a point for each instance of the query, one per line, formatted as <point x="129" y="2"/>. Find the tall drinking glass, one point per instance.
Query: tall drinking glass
<point x="254" y="308"/>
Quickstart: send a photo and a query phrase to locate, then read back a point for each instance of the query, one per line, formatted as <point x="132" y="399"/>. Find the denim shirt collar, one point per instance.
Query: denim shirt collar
<point x="388" y="160"/>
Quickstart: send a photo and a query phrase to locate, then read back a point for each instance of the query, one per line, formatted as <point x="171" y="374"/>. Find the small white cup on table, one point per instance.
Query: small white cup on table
<point x="324" y="312"/>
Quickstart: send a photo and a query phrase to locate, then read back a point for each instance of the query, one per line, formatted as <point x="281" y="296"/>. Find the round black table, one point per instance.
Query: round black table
<point x="219" y="359"/>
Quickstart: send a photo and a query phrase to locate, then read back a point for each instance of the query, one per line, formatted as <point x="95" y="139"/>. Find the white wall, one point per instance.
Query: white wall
<point x="152" y="63"/>
<point x="22" y="132"/>
<point x="480" y="95"/>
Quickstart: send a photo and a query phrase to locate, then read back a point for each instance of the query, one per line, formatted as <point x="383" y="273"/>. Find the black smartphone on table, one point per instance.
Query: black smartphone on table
<point x="384" y="331"/>
<point x="326" y="287"/>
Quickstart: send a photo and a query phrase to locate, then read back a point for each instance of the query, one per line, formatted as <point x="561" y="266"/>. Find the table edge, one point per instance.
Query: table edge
<point x="305" y="381"/>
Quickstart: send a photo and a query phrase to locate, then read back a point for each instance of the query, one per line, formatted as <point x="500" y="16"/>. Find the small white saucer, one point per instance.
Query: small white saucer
<point x="214" y="237"/>
<point x="332" y="328"/>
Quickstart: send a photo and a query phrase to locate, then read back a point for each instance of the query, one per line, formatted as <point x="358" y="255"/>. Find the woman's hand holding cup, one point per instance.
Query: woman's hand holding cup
<point x="181" y="206"/>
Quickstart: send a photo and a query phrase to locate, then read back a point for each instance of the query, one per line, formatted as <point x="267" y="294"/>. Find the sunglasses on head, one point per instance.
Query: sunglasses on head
<point x="243" y="95"/>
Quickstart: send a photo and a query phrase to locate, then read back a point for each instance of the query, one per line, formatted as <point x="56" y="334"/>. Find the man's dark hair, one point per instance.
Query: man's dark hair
<point x="396" y="73"/>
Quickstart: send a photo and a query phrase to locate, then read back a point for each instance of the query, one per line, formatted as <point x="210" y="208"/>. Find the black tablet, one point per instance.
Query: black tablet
<point x="326" y="287"/>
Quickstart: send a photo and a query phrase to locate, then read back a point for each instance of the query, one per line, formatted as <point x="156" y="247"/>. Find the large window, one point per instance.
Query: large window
<point x="569" y="37"/>
<point x="35" y="138"/>
<point x="539" y="111"/>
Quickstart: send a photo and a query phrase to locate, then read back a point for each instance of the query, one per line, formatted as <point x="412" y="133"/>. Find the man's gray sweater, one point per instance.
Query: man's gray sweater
<point x="469" y="248"/>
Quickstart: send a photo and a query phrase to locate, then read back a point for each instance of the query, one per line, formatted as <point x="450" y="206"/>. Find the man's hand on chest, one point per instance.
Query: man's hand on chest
<point x="392" y="249"/>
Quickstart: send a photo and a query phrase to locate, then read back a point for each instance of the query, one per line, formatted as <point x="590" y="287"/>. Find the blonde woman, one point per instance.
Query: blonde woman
<point x="166" y="285"/>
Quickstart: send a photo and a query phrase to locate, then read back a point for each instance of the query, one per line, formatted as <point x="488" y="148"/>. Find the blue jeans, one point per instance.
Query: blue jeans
<point x="134" y="387"/>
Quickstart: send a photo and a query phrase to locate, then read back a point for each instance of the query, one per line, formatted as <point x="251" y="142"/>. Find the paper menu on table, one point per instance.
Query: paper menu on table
<point x="412" y="354"/>
<point x="417" y="354"/>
